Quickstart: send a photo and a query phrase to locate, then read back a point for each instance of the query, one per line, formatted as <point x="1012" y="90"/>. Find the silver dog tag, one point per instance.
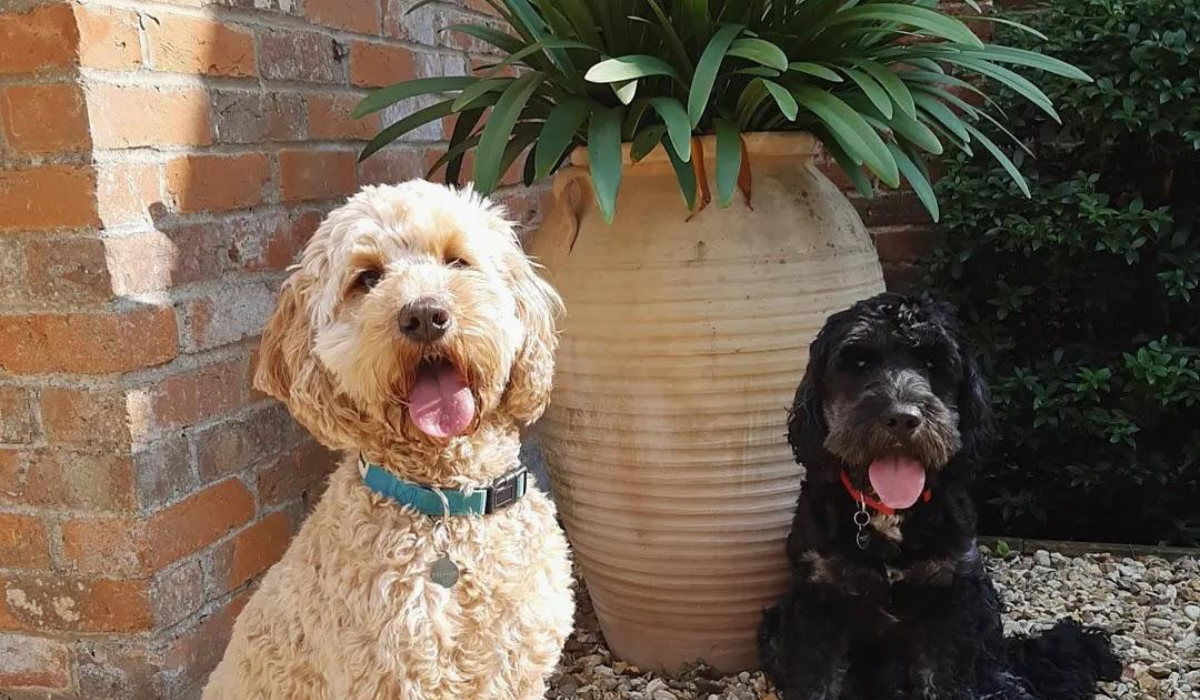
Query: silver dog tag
<point x="444" y="572"/>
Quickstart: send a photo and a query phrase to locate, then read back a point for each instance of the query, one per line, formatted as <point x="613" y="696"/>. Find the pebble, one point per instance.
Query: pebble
<point x="1150" y="605"/>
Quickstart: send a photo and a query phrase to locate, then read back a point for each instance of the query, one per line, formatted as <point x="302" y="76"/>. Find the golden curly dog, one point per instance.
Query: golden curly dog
<point x="351" y="612"/>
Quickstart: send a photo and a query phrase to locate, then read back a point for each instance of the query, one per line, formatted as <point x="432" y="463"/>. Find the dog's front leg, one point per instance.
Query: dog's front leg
<point x="804" y="644"/>
<point x="946" y="646"/>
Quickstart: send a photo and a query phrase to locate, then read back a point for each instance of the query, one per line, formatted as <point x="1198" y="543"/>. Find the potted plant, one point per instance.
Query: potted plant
<point x="688" y="325"/>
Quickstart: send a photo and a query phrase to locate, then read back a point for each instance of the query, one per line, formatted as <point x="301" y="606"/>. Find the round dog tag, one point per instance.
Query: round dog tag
<point x="444" y="572"/>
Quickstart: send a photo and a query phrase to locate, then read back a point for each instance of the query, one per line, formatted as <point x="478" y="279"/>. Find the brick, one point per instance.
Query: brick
<point x="163" y="472"/>
<point x="128" y="192"/>
<point x="192" y="45"/>
<point x="303" y="56"/>
<point x="306" y="174"/>
<point x="901" y="277"/>
<point x="43" y="39"/>
<point x="329" y="118"/>
<point x="393" y="165"/>
<point x="255" y="117"/>
<point x="225" y="315"/>
<point x="890" y="208"/>
<point x="97" y="343"/>
<point x="44" y="118"/>
<point x="85" y="481"/>
<point x="108" y="38"/>
<point x="360" y="16"/>
<point x="74" y="605"/>
<point x="217" y="183"/>
<point x="905" y="243"/>
<point x="133" y="116"/>
<point x="47" y="197"/>
<point x="252" y="551"/>
<point x="93" y="419"/>
<point x="377" y="65"/>
<point x="298" y="475"/>
<point x="68" y="270"/>
<point x="11" y="473"/>
<point x="285" y="244"/>
<point x="232" y="445"/>
<point x="177" y="592"/>
<point x="116" y="668"/>
<point x="189" y="397"/>
<point x="105" y="546"/>
<point x="34" y="662"/>
<point x="194" y="653"/>
<point x="197" y="522"/>
<point x="23" y="542"/>
<point x="17" y="422"/>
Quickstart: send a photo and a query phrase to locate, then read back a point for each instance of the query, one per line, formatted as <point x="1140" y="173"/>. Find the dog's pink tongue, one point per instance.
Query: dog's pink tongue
<point x="898" y="481"/>
<point x="440" y="403"/>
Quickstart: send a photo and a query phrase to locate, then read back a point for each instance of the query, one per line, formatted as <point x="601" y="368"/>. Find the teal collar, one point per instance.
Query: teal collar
<point x="497" y="495"/>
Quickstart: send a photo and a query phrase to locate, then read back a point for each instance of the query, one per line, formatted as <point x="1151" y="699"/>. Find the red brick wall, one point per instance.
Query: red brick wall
<point x="161" y="164"/>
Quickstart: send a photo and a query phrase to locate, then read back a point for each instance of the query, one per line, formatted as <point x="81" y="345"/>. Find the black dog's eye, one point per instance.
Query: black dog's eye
<point x="456" y="262"/>
<point x="368" y="279"/>
<point x="858" y="359"/>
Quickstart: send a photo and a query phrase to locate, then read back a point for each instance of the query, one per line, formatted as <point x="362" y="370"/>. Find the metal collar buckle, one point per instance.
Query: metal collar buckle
<point x="506" y="491"/>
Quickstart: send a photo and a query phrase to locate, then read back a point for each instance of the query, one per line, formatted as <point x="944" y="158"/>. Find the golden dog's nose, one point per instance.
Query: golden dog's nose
<point x="424" y="320"/>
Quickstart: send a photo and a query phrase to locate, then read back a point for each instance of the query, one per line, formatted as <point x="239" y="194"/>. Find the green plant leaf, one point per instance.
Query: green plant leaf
<point x="861" y="141"/>
<point x="671" y="36"/>
<point x="494" y="139"/>
<point x="463" y="126"/>
<point x="646" y="141"/>
<point x="625" y="92"/>
<point x="706" y="70"/>
<point x="696" y="14"/>
<point x="685" y="175"/>
<point x="787" y="103"/>
<point x="471" y="93"/>
<point x="1032" y="59"/>
<point x="1018" y="83"/>
<point x="504" y="41"/>
<point x="604" y="156"/>
<point x="729" y="160"/>
<point x="558" y="133"/>
<point x="1000" y="157"/>
<point x="853" y="171"/>
<point x="455" y="152"/>
<point x="895" y="87"/>
<point x="390" y="95"/>
<point x="917" y="179"/>
<point x="679" y="129"/>
<point x="415" y="120"/>
<point x="876" y="94"/>
<point x="760" y="51"/>
<point x="630" y="68"/>
<point x="944" y="115"/>
<point x="816" y="70"/>
<point x="928" y="21"/>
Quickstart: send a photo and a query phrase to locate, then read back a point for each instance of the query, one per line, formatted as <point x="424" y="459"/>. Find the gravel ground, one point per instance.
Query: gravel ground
<point x="1151" y="605"/>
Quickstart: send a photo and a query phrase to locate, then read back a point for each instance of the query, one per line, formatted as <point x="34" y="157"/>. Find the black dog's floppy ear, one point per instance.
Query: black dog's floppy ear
<point x="806" y="418"/>
<point x="975" y="422"/>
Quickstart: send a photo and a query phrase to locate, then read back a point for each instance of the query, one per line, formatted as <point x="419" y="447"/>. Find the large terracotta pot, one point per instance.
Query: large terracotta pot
<point x="682" y="347"/>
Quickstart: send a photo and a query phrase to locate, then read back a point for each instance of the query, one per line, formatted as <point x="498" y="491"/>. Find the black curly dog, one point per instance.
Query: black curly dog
<point x="889" y="597"/>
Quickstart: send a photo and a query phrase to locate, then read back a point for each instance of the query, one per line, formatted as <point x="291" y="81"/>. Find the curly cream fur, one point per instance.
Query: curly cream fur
<point x="350" y="612"/>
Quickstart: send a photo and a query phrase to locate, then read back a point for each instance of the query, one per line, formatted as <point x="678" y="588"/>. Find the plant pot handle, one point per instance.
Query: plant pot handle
<point x="564" y="206"/>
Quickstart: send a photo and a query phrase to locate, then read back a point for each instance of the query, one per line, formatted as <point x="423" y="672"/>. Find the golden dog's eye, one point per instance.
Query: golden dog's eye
<point x="368" y="279"/>
<point x="456" y="262"/>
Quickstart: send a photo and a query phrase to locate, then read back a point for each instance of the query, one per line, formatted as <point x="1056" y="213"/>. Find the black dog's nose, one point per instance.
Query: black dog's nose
<point x="424" y="320"/>
<point x="903" y="421"/>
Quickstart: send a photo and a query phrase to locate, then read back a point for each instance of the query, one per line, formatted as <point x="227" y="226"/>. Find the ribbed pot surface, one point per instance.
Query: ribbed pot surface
<point x="681" y="350"/>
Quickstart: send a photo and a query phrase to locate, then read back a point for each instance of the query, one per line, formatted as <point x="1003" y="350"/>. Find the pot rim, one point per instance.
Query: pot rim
<point x="771" y="144"/>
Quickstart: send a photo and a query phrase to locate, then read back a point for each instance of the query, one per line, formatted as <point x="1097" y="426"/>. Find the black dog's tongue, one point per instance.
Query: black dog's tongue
<point x="898" y="481"/>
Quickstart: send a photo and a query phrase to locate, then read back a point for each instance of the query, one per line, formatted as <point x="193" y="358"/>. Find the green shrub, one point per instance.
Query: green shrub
<point x="1084" y="299"/>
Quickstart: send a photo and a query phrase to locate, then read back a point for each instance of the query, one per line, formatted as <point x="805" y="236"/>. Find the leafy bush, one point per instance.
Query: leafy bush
<point x="1085" y="298"/>
<point x="867" y="77"/>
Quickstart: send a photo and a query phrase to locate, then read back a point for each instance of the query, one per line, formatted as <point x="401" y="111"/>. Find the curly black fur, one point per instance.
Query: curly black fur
<point x="913" y="614"/>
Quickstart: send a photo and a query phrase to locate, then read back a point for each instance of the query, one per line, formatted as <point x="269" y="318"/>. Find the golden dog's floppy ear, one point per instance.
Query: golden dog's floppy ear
<point x="285" y="342"/>
<point x="538" y="307"/>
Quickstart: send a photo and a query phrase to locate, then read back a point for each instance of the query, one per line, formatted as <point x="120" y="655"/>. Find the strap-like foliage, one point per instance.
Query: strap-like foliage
<point x="879" y="82"/>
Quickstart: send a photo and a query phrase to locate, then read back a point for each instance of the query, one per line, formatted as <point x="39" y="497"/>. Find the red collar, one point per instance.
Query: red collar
<point x="879" y="506"/>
